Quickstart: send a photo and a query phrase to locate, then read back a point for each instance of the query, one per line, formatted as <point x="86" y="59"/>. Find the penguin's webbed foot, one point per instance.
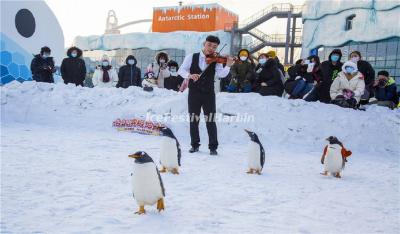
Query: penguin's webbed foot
<point x="160" y="205"/>
<point x="258" y="172"/>
<point x="324" y="173"/>
<point x="251" y="171"/>
<point x="141" y="211"/>
<point x="175" y="171"/>
<point x="337" y="175"/>
<point x="163" y="170"/>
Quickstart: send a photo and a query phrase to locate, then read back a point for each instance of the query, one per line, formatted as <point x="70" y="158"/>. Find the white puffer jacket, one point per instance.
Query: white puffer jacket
<point x="355" y="84"/>
<point x="97" y="78"/>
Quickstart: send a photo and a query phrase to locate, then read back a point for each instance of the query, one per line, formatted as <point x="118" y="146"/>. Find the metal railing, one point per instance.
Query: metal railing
<point x="280" y="7"/>
<point x="275" y="38"/>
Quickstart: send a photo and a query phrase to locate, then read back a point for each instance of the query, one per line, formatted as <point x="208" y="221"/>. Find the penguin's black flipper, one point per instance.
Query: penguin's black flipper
<point x="179" y="152"/>
<point x="161" y="182"/>
<point x="262" y="156"/>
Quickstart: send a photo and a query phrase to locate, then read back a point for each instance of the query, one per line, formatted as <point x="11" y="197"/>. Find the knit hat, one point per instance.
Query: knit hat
<point x="271" y="54"/>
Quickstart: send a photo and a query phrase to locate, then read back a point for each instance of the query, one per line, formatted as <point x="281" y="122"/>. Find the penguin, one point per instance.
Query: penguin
<point x="147" y="185"/>
<point x="170" y="157"/>
<point x="256" y="154"/>
<point x="334" y="157"/>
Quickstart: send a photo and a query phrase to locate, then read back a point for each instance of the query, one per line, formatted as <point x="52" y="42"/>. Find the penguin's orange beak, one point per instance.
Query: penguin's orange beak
<point x="134" y="156"/>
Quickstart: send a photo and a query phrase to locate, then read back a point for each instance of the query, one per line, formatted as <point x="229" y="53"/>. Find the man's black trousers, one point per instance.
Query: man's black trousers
<point x="196" y="101"/>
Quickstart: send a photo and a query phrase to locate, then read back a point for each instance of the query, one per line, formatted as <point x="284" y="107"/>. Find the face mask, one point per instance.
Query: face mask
<point x="310" y="67"/>
<point x="46" y="55"/>
<point x="262" y="60"/>
<point x="243" y="58"/>
<point x="131" y="61"/>
<point x="73" y="55"/>
<point x="349" y="70"/>
<point x="172" y="69"/>
<point x="105" y="64"/>
<point x="335" y="58"/>
<point x="355" y="59"/>
<point x="162" y="61"/>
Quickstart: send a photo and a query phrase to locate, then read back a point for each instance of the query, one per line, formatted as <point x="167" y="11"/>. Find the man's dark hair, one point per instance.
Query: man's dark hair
<point x="45" y="49"/>
<point x="383" y="73"/>
<point x="214" y="39"/>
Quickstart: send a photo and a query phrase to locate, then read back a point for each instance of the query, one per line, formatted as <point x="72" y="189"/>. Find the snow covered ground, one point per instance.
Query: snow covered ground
<point x="64" y="169"/>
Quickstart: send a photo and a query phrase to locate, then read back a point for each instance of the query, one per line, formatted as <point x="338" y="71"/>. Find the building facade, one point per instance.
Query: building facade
<point x="369" y="26"/>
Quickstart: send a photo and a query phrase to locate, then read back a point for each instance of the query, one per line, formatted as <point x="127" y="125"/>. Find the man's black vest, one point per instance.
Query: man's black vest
<point x="205" y="83"/>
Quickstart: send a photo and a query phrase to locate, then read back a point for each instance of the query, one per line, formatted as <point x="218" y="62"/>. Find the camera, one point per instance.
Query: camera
<point x="382" y="82"/>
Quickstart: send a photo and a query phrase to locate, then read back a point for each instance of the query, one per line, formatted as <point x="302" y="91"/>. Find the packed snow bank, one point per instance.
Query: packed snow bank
<point x="281" y="123"/>
<point x="65" y="170"/>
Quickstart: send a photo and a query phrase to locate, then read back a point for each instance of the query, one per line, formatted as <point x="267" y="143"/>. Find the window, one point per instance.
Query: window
<point x="349" y="22"/>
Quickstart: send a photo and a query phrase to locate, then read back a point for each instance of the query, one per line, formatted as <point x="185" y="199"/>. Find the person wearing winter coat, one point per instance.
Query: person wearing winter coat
<point x="174" y="81"/>
<point x="330" y="70"/>
<point x="73" y="68"/>
<point x="42" y="66"/>
<point x="347" y="88"/>
<point x="105" y="75"/>
<point x="368" y="72"/>
<point x="160" y="68"/>
<point x="272" y="54"/>
<point x="129" y="74"/>
<point x="269" y="77"/>
<point x="299" y="82"/>
<point x="242" y="73"/>
<point x="385" y="90"/>
<point x="314" y="69"/>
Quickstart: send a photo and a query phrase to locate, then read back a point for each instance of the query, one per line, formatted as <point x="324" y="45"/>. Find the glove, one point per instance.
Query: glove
<point x="348" y="94"/>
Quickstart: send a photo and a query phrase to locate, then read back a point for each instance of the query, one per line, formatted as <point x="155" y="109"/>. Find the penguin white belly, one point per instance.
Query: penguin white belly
<point x="333" y="160"/>
<point x="146" y="185"/>
<point x="253" y="157"/>
<point x="169" y="153"/>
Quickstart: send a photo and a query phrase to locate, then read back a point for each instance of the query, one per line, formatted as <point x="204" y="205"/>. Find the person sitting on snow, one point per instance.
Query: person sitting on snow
<point x="385" y="90"/>
<point x="242" y="73"/>
<point x="105" y="75"/>
<point x="269" y="77"/>
<point x="299" y="82"/>
<point x="159" y="68"/>
<point x="347" y="88"/>
<point x="174" y="81"/>
<point x="368" y="72"/>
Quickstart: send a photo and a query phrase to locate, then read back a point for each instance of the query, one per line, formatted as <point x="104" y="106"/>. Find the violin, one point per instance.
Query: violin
<point x="216" y="58"/>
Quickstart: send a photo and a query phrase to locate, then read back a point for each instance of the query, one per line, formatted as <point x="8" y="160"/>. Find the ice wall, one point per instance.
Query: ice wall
<point x="190" y="42"/>
<point x="324" y="22"/>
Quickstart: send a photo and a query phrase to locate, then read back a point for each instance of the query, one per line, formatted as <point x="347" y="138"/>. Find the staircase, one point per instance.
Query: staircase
<point x="275" y="40"/>
<point x="280" y="10"/>
<point x="288" y="40"/>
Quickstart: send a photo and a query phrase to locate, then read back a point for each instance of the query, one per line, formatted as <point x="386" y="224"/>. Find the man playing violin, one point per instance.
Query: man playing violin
<point x="201" y="89"/>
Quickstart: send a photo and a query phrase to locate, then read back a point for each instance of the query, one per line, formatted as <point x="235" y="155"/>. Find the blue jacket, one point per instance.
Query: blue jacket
<point x="387" y="93"/>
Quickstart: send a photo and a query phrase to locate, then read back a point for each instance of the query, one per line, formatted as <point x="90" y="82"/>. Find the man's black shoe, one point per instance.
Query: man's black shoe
<point x="213" y="152"/>
<point x="194" y="149"/>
